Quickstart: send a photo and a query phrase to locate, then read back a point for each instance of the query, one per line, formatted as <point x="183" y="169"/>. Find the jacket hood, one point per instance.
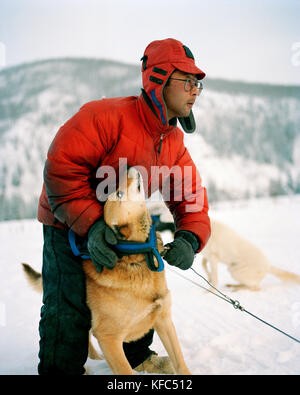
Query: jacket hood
<point x="161" y="58"/>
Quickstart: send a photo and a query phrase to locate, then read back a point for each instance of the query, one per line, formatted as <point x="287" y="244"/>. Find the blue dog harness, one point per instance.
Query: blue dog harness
<point x="149" y="248"/>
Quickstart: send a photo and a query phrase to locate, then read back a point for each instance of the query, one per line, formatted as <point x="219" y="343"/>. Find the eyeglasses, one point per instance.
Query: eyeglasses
<point x="190" y="84"/>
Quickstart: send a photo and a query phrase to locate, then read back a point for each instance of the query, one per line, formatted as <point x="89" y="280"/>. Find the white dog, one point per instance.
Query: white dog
<point x="246" y="263"/>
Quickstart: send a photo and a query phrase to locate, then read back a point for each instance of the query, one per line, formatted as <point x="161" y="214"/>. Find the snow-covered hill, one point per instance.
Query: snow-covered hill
<point x="247" y="141"/>
<point x="35" y="100"/>
<point x="215" y="338"/>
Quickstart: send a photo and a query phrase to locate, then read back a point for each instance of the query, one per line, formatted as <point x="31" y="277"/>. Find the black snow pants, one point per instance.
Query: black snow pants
<point x="65" y="317"/>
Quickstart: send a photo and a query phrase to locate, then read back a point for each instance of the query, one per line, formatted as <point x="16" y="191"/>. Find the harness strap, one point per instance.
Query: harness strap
<point x="149" y="248"/>
<point x="78" y="245"/>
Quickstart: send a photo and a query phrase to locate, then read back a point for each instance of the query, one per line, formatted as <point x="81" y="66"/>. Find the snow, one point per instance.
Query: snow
<point x="215" y="338"/>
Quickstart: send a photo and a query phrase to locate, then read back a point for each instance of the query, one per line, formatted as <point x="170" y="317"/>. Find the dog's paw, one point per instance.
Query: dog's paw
<point x="156" y="364"/>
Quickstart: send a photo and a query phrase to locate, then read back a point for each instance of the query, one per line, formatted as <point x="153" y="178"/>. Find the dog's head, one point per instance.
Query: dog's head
<point x="125" y="210"/>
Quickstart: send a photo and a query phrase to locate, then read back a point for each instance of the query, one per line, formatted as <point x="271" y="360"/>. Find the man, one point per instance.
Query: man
<point x="144" y="131"/>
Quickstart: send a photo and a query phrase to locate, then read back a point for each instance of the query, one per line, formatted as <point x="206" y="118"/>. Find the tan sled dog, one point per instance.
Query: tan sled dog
<point x="129" y="300"/>
<point x="246" y="263"/>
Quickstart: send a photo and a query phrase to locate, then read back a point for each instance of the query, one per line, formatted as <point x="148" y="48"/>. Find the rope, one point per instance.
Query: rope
<point x="235" y="303"/>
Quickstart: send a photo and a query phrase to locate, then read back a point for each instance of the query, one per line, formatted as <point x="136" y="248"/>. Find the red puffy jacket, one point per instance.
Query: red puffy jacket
<point x="101" y="133"/>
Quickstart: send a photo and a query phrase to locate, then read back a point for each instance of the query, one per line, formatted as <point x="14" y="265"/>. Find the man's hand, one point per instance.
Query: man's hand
<point x="181" y="251"/>
<point x="100" y="238"/>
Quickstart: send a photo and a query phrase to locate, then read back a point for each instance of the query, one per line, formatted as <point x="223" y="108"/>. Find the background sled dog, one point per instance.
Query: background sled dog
<point x="245" y="262"/>
<point x="129" y="300"/>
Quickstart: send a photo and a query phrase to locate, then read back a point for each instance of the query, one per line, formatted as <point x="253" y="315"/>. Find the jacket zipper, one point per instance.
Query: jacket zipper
<point x="160" y="142"/>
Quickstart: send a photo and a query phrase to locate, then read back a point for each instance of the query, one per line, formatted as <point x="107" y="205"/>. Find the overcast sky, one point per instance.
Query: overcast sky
<point x="248" y="40"/>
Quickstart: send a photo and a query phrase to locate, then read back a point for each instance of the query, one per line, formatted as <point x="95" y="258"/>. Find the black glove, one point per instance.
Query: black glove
<point x="182" y="250"/>
<point x="100" y="236"/>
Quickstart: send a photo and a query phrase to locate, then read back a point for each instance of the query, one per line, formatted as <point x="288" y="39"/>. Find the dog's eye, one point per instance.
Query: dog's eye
<point x="120" y="194"/>
<point x="139" y="182"/>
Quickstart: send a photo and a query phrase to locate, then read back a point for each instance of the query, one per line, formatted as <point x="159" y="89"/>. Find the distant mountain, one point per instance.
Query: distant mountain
<point x="247" y="141"/>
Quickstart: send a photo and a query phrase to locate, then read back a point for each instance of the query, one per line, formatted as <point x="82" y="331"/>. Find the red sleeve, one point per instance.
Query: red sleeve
<point x="72" y="160"/>
<point x="188" y="198"/>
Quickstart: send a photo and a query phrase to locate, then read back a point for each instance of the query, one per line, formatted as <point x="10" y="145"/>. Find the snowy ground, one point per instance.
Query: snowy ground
<point x="215" y="338"/>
